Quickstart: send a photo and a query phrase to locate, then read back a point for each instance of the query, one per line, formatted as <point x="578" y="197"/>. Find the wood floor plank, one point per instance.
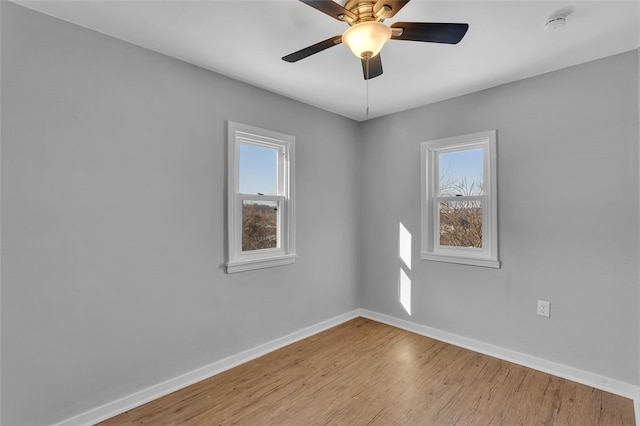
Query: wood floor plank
<point x="366" y="373"/>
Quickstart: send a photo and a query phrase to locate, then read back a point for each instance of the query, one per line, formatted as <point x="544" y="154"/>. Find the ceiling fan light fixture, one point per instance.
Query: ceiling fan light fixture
<point x="366" y="38"/>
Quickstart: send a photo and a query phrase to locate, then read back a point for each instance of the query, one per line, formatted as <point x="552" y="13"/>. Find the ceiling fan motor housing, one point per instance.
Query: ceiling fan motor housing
<point x="364" y="10"/>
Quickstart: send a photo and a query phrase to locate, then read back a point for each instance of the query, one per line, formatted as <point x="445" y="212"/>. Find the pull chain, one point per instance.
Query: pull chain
<point x="367" y="113"/>
<point x="367" y="83"/>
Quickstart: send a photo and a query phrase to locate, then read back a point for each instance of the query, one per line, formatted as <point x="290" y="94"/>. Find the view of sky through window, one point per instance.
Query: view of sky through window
<point x="461" y="172"/>
<point x="258" y="169"/>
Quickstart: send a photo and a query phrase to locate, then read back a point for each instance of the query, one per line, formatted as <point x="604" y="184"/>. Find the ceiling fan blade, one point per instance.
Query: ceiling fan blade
<point x="373" y="68"/>
<point x="308" y="51"/>
<point x="332" y="9"/>
<point x="434" y="32"/>
<point x="391" y="7"/>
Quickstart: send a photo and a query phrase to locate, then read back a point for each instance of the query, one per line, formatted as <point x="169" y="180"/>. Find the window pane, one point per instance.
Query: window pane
<point x="461" y="172"/>
<point x="258" y="169"/>
<point x="259" y="225"/>
<point x="461" y="223"/>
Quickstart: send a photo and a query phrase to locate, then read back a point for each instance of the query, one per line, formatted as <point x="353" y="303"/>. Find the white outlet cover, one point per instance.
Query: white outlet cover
<point x="544" y="308"/>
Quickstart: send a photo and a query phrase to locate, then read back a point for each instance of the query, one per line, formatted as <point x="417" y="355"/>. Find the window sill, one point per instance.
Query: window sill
<point x="484" y="262"/>
<point x="259" y="263"/>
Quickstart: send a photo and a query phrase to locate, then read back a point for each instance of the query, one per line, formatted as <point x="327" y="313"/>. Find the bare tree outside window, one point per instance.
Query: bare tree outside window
<point x="259" y="225"/>
<point x="461" y="224"/>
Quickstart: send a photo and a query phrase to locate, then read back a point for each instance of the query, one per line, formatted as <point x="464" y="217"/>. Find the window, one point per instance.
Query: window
<point x="459" y="200"/>
<point x="261" y="211"/>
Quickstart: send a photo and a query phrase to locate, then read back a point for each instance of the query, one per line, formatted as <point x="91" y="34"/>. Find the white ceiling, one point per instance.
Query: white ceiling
<point x="245" y="40"/>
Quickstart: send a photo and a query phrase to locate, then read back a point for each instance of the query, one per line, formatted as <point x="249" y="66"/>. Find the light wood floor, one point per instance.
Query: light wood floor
<point x="363" y="372"/>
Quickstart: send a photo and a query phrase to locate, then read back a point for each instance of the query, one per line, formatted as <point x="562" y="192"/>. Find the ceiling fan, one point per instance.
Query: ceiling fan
<point x="367" y="34"/>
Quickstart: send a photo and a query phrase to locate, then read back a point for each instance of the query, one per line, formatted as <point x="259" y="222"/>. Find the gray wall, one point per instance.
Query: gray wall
<point x="568" y="217"/>
<point x="113" y="205"/>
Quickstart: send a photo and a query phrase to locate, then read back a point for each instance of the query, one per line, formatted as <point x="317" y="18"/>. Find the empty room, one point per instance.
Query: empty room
<point x="289" y="212"/>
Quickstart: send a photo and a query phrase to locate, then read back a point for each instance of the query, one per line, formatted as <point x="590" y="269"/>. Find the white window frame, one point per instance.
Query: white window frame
<point x="486" y="256"/>
<point x="284" y="253"/>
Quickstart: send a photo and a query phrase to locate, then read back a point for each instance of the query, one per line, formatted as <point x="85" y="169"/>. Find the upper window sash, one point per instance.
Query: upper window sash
<point x="282" y="163"/>
<point x="435" y="152"/>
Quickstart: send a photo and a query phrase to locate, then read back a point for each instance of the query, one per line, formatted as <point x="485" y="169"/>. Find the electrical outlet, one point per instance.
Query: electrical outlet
<point x="544" y="308"/>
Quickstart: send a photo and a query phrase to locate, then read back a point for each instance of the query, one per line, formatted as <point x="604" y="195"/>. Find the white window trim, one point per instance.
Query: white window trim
<point x="237" y="260"/>
<point x="430" y="248"/>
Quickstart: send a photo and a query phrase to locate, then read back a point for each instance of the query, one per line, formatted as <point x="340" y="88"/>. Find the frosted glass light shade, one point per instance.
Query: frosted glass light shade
<point x="366" y="38"/>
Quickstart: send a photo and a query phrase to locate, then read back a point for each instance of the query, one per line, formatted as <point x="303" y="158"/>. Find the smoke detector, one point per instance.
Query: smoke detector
<point x="555" y="22"/>
<point x="558" y="19"/>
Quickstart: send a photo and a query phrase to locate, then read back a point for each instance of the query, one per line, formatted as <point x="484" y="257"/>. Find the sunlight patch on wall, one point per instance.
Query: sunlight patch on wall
<point x="404" y="253"/>
<point x="405" y="291"/>
<point x="404" y="246"/>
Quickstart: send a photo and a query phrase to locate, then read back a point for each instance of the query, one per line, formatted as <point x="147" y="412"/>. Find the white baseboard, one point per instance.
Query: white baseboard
<point x="607" y="384"/>
<point x="139" y="398"/>
<point x="636" y="407"/>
